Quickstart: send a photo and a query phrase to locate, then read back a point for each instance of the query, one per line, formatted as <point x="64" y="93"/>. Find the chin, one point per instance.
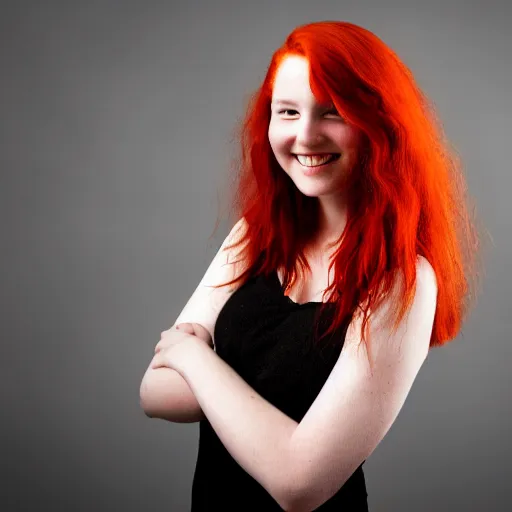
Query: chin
<point x="312" y="190"/>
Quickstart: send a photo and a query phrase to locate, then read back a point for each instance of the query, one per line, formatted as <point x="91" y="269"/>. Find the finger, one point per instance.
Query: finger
<point x="186" y="327"/>
<point x="162" y="345"/>
<point x="157" y="362"/>
<point x="201" y="332"/>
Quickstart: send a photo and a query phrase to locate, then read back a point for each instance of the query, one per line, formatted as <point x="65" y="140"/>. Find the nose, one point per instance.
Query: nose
<point x="308" y="132"/>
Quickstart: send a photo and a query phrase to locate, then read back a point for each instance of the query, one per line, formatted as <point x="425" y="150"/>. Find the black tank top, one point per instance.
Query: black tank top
<point x="268" y="340"/>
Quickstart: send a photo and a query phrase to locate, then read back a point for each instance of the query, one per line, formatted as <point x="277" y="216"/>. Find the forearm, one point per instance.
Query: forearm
<point x="255" y="432"/>
<point x="165" y="394"/>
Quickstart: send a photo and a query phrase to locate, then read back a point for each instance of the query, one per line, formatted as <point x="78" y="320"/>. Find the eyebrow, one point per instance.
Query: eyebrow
<point x="282" y="101"/>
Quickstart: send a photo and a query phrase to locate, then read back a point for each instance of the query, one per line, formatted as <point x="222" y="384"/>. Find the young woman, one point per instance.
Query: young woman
<point x="352" y="257"/>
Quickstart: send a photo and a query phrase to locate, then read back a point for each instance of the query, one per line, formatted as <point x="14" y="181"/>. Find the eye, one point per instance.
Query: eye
<point x="333" y="112"/>
<point x="287" y="110"/>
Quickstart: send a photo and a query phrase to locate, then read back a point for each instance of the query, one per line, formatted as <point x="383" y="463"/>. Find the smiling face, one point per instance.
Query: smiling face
<point x="300" y="126"/>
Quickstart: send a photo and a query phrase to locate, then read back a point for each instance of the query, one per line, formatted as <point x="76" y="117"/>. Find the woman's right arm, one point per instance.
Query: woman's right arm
<point x="164" y="393"/>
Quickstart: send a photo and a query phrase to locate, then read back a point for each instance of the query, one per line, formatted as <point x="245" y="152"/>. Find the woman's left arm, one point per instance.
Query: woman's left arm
<point x="302" y="465"/>
<point x="255" y="432"/>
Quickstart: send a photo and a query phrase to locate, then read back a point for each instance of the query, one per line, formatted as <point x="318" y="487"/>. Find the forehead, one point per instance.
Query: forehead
<point x="292" y="80"/>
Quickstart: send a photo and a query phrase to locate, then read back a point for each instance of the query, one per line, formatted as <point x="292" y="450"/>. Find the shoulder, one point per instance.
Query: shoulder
<point x="415" y="328"/>
<point x="425" y="296"/>
<point x="416" y="324"/>
<point x="233" y="247"/>
<point x="212" y="292"/>
<point x="425" y="273"/>
<point x="240" y="226"/>
<point x="237" y="232"/>
<point x="425" y="289"/>
<point x="424" y="299"/>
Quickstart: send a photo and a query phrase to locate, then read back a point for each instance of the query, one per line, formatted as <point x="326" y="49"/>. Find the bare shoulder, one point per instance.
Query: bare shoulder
<point x="426" y="283"/>
<point x="425" y="273"/>
<point x="206" y="302"/>
<point x="418" y="318"/>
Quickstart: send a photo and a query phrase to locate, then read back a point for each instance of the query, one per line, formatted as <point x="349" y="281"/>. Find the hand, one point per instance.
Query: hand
<point x="197" y="330"/>
<point x="186" y="328"/>
<point x="176" y="342"/>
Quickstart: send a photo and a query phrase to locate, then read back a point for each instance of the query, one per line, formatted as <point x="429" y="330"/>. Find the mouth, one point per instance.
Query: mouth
<point x="316" y="160"/>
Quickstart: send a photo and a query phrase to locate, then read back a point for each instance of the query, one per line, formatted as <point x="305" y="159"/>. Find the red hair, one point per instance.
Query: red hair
<point x="407" y="193"/>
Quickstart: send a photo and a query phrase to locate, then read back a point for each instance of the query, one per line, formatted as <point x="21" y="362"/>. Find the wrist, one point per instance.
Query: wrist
<point x="193" y="352"/>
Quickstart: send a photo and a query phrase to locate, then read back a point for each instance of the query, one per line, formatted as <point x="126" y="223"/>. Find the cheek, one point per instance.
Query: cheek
<point x="278" y="138"/>
<point x="347" y="136"/>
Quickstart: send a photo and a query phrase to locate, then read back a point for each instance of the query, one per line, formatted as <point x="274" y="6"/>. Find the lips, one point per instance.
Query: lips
<point x="316" y="154"/>
<point x="333" y="157"/>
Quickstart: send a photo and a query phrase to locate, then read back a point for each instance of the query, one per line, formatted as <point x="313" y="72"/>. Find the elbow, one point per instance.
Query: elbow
<point x="145" y="409"/>
<point x="301" y="498"/>
<point x="147" y="413"/>
<point x="291" y="496"/>
<point x="294" y="505"/>
<point x="143" y="399"/>
<point x="306" y="500"/>
<point x="298" y="503"/>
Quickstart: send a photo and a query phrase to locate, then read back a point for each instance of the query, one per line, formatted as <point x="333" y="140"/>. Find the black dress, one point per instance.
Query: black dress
<point x="268" y="340"/>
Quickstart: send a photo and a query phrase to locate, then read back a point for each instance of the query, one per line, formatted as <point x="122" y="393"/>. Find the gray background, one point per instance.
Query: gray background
<point x="115" y="139"/>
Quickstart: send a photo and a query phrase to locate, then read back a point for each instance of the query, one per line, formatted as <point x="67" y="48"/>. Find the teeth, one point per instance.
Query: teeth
<point x="313" y="161"/>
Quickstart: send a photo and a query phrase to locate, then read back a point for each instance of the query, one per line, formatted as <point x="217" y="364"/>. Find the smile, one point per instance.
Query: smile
<point x="316" y="160"/>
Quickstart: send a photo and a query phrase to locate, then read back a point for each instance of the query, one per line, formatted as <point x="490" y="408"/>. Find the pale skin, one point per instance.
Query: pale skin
<point x="300" y="125"/>
<point x="164" y="392"/>
<point x="303" y="464"/>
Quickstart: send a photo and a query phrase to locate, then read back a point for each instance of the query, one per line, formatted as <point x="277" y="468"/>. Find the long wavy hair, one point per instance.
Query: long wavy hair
<point x="407" y="193"/>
